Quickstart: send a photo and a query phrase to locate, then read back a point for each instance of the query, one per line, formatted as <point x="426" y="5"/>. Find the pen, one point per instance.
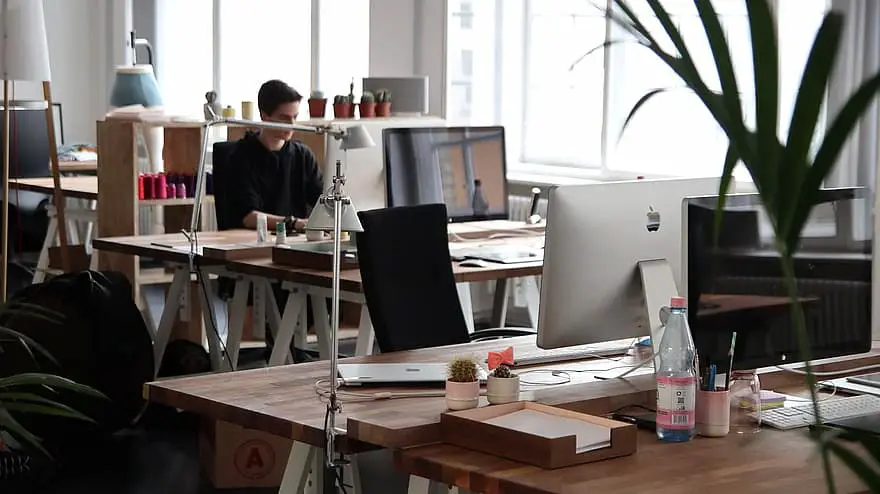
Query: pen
<point x="710" y="385"/>
<point x="730" y="354"/>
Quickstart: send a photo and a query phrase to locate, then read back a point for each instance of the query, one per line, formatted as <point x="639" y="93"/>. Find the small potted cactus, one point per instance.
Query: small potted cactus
<point x="502" y="386"/>
<point x="367" y="107"/>
<point x="383" y="103"/>
<point x="462" y="384"/>
<point x="317" y="104"/>
<point x="342" y="107"/>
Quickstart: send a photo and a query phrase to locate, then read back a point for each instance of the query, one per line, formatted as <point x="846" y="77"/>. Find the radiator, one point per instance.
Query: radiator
<point x="841" y="314"/>
<point x="519" y="207"/>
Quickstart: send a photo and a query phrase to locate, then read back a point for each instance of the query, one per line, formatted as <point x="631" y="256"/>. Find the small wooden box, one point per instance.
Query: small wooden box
<point x="469" y="429"/>
<point x="314" y="255"/>
<point x="238" y="252"/>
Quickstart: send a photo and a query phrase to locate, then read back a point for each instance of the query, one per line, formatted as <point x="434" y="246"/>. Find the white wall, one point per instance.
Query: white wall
<point x="407" y="38"/>
<point x="80" y="40"/>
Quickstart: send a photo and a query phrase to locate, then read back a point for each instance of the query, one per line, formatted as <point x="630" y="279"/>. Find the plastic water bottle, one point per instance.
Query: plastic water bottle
<point x="676" y="377"/>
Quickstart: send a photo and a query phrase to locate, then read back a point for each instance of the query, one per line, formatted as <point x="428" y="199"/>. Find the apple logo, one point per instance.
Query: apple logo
<point x="653" y="220"/>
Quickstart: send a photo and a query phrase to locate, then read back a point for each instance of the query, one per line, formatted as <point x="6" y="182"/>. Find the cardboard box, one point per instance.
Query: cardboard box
<point x="234" y="457"/>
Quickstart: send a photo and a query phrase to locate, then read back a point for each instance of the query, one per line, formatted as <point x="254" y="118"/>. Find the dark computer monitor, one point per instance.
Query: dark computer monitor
<point x="734" y="280"/>
<point x="429" y="165"/>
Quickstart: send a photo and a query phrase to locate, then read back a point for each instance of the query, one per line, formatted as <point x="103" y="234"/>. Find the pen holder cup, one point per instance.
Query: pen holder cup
<point x="713" y="413"/>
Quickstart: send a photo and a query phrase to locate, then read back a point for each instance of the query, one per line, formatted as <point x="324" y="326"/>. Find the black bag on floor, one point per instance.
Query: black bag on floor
<point x="101" y="340"/>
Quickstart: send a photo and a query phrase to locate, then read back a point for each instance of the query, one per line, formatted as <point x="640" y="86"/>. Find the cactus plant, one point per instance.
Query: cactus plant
<point x="368" y="97"/>
<point x="503" y="372"/>
<point x="340" y="98"/>
<point x="317" y="94"/>
<point x="383" y="96"/>
<point x="463" y="370"/>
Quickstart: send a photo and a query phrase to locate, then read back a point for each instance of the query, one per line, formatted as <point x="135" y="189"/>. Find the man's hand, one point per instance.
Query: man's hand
<point x="300" y="225"/>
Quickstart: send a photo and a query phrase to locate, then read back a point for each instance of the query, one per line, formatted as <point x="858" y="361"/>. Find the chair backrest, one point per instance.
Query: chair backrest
<point x="221" y="173"/>
<point x="407" y="276"/>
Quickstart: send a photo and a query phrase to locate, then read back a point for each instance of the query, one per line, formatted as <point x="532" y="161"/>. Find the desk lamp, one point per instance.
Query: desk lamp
<point x="333" y="212"/>
<point x="24" y="56"/>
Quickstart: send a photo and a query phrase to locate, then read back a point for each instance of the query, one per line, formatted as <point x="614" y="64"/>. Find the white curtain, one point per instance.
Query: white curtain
<point x="859" y="58"/>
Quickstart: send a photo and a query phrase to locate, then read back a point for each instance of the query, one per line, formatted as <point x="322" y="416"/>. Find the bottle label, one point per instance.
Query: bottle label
<point x="676" y="402"/>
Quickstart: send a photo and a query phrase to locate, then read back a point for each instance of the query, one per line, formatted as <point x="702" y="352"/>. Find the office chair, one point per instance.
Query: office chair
<point x="221" y="172"/>
<point x="409" y="286"/>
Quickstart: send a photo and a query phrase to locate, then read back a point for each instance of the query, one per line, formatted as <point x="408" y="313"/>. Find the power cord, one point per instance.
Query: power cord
<point x="206" y="295"/>
<point x="840" y="373"/>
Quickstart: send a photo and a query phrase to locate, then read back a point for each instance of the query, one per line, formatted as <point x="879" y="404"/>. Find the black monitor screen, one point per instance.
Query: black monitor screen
<point x="463" y="167"/>
<point x="735" y="280"/>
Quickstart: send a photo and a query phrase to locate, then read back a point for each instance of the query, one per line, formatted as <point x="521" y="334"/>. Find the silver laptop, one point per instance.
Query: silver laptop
<point x="397" y="373"/>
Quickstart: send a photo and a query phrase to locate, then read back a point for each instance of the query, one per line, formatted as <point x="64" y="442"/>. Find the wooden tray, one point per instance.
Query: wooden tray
<point x="237" y="252"/>
<point x="471" y="429"/>
<point x="314" y="255"/>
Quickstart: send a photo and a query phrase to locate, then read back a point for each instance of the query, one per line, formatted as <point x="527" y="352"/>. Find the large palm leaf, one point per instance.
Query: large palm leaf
<point x="786" y="174"/>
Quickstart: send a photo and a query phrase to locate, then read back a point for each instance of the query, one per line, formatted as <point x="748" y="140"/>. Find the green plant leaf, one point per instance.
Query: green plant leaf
<point x="56" y="409"/>
<point x="28" y="343"/>
<point x="808" y="104"/>
<point x="835" y="138"/>
<point x="731" y="158"/>
<point x="632" y="112"/>
<point x="28" y="440"/>
<point x="765" y="57"/>
<point x="868" y="475"/>
<point x="9" y="399"/>
<point x="50" y="381"/>
<point x="594" y="49"/>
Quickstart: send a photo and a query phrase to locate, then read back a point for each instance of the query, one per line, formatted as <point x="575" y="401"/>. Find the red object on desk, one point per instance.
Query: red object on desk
<point x="140" y="186"/>
<point x="149" y="183"/>
<point x="161" y="187"/>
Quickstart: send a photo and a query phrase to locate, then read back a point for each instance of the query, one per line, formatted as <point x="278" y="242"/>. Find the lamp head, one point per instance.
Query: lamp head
<point x="355" y="137"/>
<point x="322" y="219"/>
<point x="24" y="50"/>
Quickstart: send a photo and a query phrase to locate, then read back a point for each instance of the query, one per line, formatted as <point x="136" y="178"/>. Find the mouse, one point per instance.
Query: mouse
<point x="473" y="263"/>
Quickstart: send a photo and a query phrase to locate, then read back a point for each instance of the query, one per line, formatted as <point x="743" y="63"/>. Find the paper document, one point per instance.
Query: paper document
<point x="588" y="437"/>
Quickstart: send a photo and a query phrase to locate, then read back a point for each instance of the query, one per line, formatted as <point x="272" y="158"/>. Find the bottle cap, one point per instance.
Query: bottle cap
<point x="678" y="302"/>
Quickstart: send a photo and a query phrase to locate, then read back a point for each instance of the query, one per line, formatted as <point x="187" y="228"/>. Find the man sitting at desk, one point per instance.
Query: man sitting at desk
<point x="274" y="175"/>
<point x="271" y="173"/>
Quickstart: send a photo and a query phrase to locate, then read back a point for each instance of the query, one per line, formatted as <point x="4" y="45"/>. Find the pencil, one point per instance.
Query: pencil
<point x="730" y="354"/>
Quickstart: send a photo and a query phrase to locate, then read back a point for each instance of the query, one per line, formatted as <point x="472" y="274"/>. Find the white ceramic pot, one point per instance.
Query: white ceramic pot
<point x="501" y="390"/>
<point x="461" y="396"/>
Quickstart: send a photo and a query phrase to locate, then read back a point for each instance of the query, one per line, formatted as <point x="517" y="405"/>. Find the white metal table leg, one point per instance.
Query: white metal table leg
<point x="48" y="241"/>
<point x="533" y="298"/>
<point x="296" y="473"/>
<point x="237" y="311"/>
<point x="207" y="296"/>
<point x="365" y="338"/>
<point x="418" y="485"/>
<point x="281" y="348"/>
<point x="169" y="314"/>
<point x="467" y="307"/>
<point x="322" y="324"/>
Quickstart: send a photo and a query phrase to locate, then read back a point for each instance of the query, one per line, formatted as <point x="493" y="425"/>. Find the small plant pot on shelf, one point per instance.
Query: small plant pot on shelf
<point x="342" y="110"/>
<point x="462" y="396"/>
<point x="500" y="390"/>
<point x="383" y="109"/>
<point x="367" y="110"/>
<point x="317" y="108"/>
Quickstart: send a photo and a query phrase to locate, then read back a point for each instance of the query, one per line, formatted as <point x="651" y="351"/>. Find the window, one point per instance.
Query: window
<point x="254" y="41"/>
<point x="272" y="41"/>
<point x="465" y="15"/>
<point x="565" y="118"/>
<point x="467" y="63"/>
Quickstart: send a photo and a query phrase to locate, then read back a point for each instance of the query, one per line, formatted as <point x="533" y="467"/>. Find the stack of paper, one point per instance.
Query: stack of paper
<point x="588" y="436"/>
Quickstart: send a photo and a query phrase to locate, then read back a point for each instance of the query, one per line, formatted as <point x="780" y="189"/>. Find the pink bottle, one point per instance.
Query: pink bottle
<point x="161" y="187"/>
<point x="181" y="190"/>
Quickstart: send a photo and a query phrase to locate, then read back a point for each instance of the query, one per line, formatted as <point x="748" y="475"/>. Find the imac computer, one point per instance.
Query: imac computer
<point x="463" y="167"/>
<point x="612" y="258"/>
<point x="734" y="279"/>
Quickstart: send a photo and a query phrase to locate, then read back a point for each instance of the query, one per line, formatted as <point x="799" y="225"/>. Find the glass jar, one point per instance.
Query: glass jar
<point x="745" y="402"/>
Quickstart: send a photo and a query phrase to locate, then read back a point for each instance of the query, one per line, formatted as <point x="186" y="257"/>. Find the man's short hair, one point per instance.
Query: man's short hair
<point x="275" y="93"/>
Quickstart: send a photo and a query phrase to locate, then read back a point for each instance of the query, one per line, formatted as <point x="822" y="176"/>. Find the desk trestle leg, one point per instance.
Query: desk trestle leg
<point x="421" y="485"/>
<point x="299" y="463"/>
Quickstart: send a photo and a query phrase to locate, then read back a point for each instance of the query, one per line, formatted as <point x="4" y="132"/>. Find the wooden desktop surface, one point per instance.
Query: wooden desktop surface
<point x="771" y="462"/>
<point x="282" y="400"/>
<point x="169" y="247"/>
<point x="76" y="187"/>
<point x="77" y="166"/>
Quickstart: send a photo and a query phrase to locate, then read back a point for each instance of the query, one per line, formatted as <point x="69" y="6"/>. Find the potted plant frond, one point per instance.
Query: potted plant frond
<point x="788" y="172"/>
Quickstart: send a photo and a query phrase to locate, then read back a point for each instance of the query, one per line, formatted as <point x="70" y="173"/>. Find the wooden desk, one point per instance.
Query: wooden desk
<point x="78" y="166"/>
<point x="282" y="400"/>
<point x="75" y="187"/>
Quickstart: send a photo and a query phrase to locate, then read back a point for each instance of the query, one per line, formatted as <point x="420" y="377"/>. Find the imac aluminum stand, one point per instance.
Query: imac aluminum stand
<point x="658" y="288"/>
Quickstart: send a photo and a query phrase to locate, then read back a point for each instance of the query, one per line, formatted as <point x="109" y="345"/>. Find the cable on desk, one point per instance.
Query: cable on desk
<point x="322" y="389"/>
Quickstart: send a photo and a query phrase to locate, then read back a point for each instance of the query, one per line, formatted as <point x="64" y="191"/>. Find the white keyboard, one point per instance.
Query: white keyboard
<point x="801" y="415"/>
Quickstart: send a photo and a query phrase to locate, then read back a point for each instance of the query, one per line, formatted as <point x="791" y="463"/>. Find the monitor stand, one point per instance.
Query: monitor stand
<point x="658" y="288"/>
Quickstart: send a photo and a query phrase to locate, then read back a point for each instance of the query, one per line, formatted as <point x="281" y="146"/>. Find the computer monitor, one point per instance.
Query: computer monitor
<point x="736" y="283"/>
<point x="612" y="258"/>
<point x="432" y="165"/>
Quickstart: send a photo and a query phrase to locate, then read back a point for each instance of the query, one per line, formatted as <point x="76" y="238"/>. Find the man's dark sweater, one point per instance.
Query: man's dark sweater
<point x="287" y="182"/>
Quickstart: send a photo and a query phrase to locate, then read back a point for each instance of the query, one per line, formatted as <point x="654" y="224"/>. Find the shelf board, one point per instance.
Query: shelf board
<point x="184" y="201"/>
